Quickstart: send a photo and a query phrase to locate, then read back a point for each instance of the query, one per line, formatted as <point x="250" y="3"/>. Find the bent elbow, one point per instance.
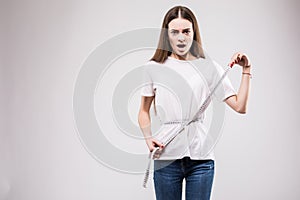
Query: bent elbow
<point x="241" y="110"/>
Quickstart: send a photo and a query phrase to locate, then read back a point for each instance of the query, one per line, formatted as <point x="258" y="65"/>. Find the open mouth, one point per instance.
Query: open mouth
<point x="181" y="45"/>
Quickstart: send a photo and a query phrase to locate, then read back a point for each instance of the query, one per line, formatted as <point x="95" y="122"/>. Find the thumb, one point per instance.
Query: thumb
<point x="158" y="144"/>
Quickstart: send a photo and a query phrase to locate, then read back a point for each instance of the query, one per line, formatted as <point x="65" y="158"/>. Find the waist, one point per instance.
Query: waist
<point x="183" y="121"/>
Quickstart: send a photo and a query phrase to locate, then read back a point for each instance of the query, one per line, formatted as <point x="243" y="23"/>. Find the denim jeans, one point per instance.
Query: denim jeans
<point x="168" y="177"/>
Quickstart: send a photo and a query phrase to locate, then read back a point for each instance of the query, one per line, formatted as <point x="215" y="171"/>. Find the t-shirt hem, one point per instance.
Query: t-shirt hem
<point x="191" y="157"/>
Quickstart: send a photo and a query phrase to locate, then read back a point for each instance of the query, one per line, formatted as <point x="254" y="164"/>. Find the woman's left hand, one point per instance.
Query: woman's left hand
<point x="240" y="59"/>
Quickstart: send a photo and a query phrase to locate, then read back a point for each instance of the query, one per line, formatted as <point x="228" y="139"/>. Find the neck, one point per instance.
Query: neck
<point x="187" y="56"/>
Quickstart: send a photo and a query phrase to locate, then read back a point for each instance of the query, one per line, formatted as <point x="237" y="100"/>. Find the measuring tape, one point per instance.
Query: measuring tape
<point x="185" y="124"/>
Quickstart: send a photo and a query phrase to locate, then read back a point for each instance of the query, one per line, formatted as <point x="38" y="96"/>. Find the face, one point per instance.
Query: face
<point x="181" y="35"/>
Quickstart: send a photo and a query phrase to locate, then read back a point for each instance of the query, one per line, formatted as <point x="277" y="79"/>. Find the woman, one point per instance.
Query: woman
<point x="179" y="43"/>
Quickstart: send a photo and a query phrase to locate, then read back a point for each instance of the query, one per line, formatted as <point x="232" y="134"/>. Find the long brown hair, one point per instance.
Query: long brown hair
<point x="164" y="48"/>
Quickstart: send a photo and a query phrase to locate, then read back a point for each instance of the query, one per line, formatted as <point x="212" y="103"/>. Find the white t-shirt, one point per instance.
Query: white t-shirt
<point x="180" y="87"/>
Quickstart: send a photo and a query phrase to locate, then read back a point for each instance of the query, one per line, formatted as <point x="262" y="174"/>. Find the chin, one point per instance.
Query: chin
<point x="182" y="53"/>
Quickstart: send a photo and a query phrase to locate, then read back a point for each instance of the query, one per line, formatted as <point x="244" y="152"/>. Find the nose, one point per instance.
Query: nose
<point x="181" y="37"/>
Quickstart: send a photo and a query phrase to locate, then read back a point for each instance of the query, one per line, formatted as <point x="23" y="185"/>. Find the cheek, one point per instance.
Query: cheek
<point x="190" y="39"/>
<point x="172" y="40"/>
<point x="191" y="36"/>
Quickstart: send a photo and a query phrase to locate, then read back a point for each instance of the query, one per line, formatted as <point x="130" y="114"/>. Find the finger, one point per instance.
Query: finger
<point x="157" y="153"/>
<point x="151" y="148"/>
<point x="234" y="59"/>
<point x="231" y="63"/>
<point x="246" y="60"/>
<point x="239" y="57"/>
<point x="156" y="156"/>
<point x="235" y="56"/>
<point x="159" y="144"/>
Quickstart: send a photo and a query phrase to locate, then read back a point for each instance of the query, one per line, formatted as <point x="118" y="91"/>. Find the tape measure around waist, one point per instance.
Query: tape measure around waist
<point x="185" y="123"/>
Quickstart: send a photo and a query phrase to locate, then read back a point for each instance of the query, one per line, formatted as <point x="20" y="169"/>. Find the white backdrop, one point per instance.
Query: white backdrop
<point x="44" y="43"/>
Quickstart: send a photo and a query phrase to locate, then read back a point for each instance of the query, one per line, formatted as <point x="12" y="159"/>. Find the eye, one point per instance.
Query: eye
<point x="187" y="32"/>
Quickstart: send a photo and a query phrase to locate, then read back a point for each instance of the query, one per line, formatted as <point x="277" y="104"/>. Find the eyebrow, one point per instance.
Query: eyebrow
<point x="186" y="29"/>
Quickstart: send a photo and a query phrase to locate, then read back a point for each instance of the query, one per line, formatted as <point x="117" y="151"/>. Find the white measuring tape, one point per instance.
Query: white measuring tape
<point x="200" y="111"/>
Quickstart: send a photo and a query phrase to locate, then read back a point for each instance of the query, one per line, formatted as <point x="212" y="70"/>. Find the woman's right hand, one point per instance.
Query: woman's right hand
<point x="153" y="143"/>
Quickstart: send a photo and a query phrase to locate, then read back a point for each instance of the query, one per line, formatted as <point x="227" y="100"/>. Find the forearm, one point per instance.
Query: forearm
<point x="145" y="124"/>
<point x="243" y="92"/>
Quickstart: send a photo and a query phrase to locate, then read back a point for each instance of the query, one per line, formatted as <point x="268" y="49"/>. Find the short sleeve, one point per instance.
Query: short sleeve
<point x="225" y="89"/>
<point x="147" y="87"/>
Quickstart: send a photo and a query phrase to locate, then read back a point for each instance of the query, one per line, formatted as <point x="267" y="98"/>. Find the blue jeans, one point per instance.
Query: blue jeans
<point x="168" y="177"/>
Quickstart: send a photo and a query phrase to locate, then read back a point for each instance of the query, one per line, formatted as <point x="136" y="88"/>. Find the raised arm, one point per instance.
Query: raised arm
<point x="145" y="123"/>
<point x="239" y="102"/>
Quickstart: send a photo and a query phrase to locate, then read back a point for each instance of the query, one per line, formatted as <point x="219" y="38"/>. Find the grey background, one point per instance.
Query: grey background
<point x="43" y="44"/>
